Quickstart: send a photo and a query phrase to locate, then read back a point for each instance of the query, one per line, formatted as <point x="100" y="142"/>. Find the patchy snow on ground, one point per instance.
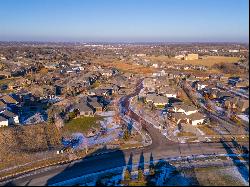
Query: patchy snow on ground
<point x="244" y="117"/>
<point x="108" y="113"/>
<point x="200" y="131"/>
<point x="81" y="142"/>
<point x="112" y="132"/>
<point x="36" y="118"/>
<point x="234" y="172"/>
<point x="219" y="108"/>
<point x="176" y="132"/>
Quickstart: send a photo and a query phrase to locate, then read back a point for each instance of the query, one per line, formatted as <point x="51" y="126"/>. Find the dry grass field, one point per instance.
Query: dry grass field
<point x="126" y="66"/>
<point x="206" y="60"/>
<point x="131" y="68"/>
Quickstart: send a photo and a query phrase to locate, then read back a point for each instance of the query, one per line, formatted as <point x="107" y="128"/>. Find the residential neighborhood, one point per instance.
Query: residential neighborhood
<point x="124" y="93"/>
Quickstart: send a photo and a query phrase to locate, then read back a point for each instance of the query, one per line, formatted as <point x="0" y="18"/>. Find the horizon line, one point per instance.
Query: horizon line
<point x="124" y="42"/>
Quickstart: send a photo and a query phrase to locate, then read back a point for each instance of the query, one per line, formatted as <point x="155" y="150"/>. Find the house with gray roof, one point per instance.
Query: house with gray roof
<point x="196" y="118"/>
<point x="4" y="122"/>
<point x="167" y="91"/>
<point x="97" y="107"/>
<point x="184" y="108"/>
<point x="84" y="109"/>
<point x="156" y="100"/>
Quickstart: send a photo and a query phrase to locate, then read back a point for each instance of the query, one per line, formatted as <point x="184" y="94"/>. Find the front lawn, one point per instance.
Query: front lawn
<point x="82" y="124"/>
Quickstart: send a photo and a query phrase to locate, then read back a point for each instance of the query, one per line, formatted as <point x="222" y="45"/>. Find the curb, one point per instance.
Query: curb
<point x="59" y="163"/>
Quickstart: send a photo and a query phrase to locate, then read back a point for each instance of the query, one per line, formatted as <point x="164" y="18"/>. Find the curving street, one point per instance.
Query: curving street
<point x="160" y="148"/>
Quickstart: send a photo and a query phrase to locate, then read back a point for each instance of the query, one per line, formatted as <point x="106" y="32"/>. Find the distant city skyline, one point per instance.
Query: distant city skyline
<point x="125" y="20"/>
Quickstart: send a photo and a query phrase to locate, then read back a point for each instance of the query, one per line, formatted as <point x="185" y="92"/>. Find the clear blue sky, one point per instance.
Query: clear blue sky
<point x="124" y="20"/>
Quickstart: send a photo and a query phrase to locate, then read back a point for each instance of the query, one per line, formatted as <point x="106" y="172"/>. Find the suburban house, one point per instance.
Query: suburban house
<point x="242" y="105"/>
<point x="183" y="108"/>
<point x="107" y="73"/>
<point x="84" y="109"/>
<point x="112" y="106"/>
<point x="212" y="93"/>
<point x="156" y="100"/>
<point x="3" y="122"/>
<point x="9" y="100"/>
<point x="10" y="116"/>
<point x="168" y="92"/>
<point x="3" y="106"/>
<point x="97" y="107"/>
<point x="6" y="74"/>
<point x="193" y="119"/>
<point x="231" y="103"/>
<point x="178" y="118"/>
<point x="222" y="95"/>
<point x="148" y="83"/>
<point x="199" y="85"/>
<point x="196" y="118"/>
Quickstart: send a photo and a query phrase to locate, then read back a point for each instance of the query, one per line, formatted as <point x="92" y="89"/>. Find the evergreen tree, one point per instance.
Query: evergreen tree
<point x="126" y="135"/>
<point x="127" y="175"/>
<point x="140" y="175"/>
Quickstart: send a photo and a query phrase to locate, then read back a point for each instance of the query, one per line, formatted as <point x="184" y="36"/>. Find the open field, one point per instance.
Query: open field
<point x="207" y="60"/>
<point x="125" y="66"/>
<point x="131" y="68"/>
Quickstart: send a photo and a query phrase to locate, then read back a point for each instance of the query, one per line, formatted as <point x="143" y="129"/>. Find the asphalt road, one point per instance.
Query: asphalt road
<point x="160" y="148"/>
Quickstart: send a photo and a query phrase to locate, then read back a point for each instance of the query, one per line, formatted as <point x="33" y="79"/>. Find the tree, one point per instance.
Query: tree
<point x="126" y="135"/>
<point x="140" y="175"/>
<point x="151" y="171"/>
<point x="72" y="115"/>
<point x="59" y="122"/>
<point x="51" y="118"/>
<point x="127" y="175"/>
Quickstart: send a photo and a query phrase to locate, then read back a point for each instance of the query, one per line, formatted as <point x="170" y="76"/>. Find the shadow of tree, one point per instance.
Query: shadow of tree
<point x="108" y="169"/>
<point x="165" y="174"/>
<point x="243" y="150"/>
<point x="130" y="162"/>
<point x="243" y="170"/>
<point x="157" y="173"/>
<point x="95" y="162"/>
<point x="10" y="184"/>
<point x="141" y="162"/>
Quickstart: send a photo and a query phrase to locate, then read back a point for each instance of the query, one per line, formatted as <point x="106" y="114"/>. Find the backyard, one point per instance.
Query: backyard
<point x="82" y="124"/>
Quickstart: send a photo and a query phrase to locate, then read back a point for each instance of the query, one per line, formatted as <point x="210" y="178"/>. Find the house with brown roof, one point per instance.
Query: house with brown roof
<point x="2" y="105"/>
<point x="7" y="99"/>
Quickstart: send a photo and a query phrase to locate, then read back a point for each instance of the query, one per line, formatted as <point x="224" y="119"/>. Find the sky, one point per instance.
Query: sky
<point x="125" y="20"/>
